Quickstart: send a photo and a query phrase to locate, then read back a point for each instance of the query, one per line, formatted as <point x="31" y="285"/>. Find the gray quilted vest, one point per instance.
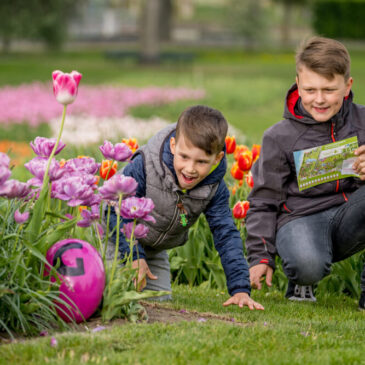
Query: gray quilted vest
<point x="170" y="202"/>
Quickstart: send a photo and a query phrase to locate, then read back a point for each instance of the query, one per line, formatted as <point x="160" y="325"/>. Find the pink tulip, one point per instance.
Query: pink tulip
<point x="21" y="217"/>
<point x="65" y="86"/>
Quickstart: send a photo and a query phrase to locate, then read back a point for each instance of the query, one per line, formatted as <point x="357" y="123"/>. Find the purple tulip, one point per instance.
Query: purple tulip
<point x="4" y="174"/>
<point x="140" y="230"/>
<point x="84" y="165"/>
<point x="95" y="199"/>
<point x="73" y="190"/>
<point x="88" y="217"/>
<point x="14" y="189"/>
<point x="43" y="146"/>
<point x="21" y="217"/>
<point x="4" y="159"/>
<point x="38" y="165"/>
<point x="120" y="152"/>
<point x="133" y="208"/>
<point x="117" y="185"/>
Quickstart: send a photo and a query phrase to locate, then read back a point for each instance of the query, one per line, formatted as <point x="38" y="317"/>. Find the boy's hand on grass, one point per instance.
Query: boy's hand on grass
<point x="143" y="272"/>
<point x="242" y="299"/>
<point x="257" y="274"/>
<point x="359" y="164"/>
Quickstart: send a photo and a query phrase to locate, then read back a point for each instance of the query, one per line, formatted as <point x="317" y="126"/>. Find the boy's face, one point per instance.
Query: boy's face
<point x="191" y="163"/>
<point x="322" y="98"/>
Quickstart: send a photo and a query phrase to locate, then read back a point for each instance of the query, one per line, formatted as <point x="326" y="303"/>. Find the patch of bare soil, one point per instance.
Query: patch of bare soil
<point x="156" y="312"/>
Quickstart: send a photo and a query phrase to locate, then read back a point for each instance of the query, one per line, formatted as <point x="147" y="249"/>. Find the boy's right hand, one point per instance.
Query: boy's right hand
<point x="143" y="271"/>
<point x="257" y="273"/>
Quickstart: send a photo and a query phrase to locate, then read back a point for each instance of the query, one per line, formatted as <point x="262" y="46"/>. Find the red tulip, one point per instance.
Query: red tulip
<point x="239" y="149"/>
<point x="236" y="172"/>
<point x="230" y="144"/>
<point x="249" y="180"/>
<point x="106" y="170"/>
<point x="240" y="209"/>
<point x="131" y="143"/>
<point x="245" y="160"/>
<point x="256" y="149"/>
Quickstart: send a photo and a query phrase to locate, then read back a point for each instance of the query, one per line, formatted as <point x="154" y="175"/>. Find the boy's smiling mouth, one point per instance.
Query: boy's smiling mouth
<point x="320" y="109"/>
<point x="188" y="179"/>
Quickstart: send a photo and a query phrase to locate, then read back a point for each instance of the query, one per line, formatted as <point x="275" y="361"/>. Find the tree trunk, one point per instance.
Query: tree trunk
<point x="285" y="25"/>
<point x="165" y="20"/>
<point x="149" y="28"/>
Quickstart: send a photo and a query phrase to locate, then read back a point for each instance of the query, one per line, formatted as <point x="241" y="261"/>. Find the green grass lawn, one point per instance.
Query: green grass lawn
<point x="331" y="331"/>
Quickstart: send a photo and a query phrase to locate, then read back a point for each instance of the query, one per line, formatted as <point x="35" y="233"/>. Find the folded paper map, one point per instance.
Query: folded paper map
<point x="325" y="163"/>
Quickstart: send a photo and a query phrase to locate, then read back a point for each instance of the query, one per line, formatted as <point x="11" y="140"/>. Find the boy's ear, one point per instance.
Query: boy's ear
<point x="219" y="157"/>
<point x="172" y="145"/>
<point x="349" y="85"/>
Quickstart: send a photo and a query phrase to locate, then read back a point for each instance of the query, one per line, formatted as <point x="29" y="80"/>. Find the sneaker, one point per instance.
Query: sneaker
<point x="362" y="301"/>
<point x="303" y="293"/>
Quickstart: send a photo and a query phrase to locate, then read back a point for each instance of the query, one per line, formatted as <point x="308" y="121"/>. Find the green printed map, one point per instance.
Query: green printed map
<point x="325" y="163"/>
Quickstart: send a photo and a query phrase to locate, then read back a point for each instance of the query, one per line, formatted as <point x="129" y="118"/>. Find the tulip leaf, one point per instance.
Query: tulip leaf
<point x="35" y="223"/>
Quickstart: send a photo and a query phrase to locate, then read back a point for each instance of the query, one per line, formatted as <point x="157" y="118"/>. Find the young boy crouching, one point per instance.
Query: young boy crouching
<point x="181" y="169"/>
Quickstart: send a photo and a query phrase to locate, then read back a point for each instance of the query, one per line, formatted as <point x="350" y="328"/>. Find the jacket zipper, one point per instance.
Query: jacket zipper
<point x="333" y="134"/>
<point x="176" y="211"/>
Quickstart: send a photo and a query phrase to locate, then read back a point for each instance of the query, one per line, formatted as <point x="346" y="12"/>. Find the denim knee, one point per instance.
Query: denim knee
<point x="306" y="270"/>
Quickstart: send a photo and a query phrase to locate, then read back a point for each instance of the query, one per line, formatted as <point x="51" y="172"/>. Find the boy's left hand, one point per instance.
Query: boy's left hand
<point x="359" y="164"/>
<point x="242" y="299"/>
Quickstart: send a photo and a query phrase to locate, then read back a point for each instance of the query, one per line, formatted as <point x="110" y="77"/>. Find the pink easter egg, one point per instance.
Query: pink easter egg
<point x="82" y="276"/>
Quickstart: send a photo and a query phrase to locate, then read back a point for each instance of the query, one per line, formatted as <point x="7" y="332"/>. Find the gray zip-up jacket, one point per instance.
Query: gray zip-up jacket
<point x="275" y="198"/>
<point x="152" y="167"/>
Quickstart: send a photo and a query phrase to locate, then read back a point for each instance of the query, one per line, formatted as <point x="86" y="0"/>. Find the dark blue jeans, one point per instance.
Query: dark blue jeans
<point x="309" y="245"/>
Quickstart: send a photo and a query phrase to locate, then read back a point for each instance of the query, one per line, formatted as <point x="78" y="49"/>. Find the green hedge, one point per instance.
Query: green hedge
<point x="339" y="18"/>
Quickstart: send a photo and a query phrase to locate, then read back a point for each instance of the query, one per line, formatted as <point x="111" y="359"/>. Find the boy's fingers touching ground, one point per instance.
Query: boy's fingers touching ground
<point x="243" y="299"/>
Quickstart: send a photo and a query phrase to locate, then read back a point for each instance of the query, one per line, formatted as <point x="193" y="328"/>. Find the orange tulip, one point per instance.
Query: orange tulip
<point x="234" y="190"/>
<point x="239" y="149"/>
<point x="230" y="144"/>
<point x="131" y="143"/>
<point x="107" y="170"/>
<point x="236" y="172"/>
<point x="256" y="149"/>
<point x="249" y="180"/>
<point x="62" y="162"/>
<point x="245" y="160"/>
<point x="240" y="209"/>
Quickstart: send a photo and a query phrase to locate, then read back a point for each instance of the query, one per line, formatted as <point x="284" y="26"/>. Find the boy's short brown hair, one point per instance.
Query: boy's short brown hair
<point x="205" y="127"/>
<point x="324" y="56"/>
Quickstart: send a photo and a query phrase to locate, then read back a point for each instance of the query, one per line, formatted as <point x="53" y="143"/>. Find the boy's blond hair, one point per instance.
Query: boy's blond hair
<point x="324" y="56"/>
<point x="205" y="127"/>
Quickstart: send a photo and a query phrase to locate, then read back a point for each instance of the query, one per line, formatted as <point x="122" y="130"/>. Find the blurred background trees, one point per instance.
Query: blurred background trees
<point x="150" y="25"/>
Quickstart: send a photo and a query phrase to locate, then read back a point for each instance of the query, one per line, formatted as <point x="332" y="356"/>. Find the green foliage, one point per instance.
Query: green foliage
<point x="339" y="18"/>
<point x="39" y="19"/>
<point x="23" y="132"/>
<point x="248" y="18"/>
<point x="197" y="262"/>
<point x="27" y="300"/>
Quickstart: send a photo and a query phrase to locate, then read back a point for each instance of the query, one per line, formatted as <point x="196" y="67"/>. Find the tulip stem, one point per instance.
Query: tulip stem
<point x="106" y="233"/>
<point x="45" y="177"/>
<point x="116" y="242"/>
